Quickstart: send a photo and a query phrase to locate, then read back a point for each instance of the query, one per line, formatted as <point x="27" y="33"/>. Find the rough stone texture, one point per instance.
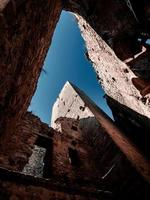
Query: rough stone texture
<point x="124" y="32"/>
<point x="110" y="71"/>
<point x="83" y="162"/>
<point x="18" y="186"/>
<point x="119" y="28"/>
<point x="35" y="165"/>
<point x="24" y="48"/>
<point x="26" y="32"/>
<point x="90" y="164"/>
<point x="19" y="148"/>
<point x="116" y="80"/>
<point x="78" y="120"/>
<point x="77" y="181"/>
<point x="68" y="98"/>
<point x="131" y="151"/>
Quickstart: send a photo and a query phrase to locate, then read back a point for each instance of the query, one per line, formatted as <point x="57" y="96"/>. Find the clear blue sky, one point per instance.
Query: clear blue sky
<point x="65" y="61"/>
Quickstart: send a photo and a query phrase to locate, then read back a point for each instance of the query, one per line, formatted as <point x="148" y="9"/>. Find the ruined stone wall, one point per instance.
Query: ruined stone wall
<point x="19" y="148"/>
<point x="80" y="167"/>
<point x="114" y="76"/>
<point x="116" y="80"/>
<point x="116" y="23"/>
<point x="68" y="181"/>
<point x="125" y="84"/>
<point x="27" y="29"/>
<point x="26" y="32"/>
<point x="18" y="186"/>
<point x="103" y="169"/>
<point x="72" y="117"/>
<point x="78" y="121"/>
<point x="117" y="28"/>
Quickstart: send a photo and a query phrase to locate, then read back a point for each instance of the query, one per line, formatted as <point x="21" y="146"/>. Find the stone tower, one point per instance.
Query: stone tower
<point x="117" y="36"/>
<point x="75" y="158"/>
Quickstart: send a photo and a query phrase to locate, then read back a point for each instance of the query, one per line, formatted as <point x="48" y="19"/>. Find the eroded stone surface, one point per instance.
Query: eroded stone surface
<point x="19" y="147"/>
<point x="69" y="105"/>
<point x="110" y="71"/>
<point x="26" y="32"/>
<point x="80" y="161"/>
<point x="76" y="100"/>
<point x="35" y="164"/>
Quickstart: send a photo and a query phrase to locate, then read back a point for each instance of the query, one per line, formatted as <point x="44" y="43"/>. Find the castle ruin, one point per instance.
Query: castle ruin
<point x="84" y="155"/>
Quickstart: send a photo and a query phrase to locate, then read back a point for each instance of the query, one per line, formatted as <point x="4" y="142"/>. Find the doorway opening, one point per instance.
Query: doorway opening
<point x="40" y="162"/>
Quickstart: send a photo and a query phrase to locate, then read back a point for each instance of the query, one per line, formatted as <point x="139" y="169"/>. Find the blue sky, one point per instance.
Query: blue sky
<point x="65" y="61"/>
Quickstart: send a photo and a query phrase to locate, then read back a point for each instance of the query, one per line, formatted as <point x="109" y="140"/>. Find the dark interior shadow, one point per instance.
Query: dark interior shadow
<point x="114" y="172"/>
<point x="135" y="125"/>
<point x="127" y="40"/>
<point x="141" y="65"/>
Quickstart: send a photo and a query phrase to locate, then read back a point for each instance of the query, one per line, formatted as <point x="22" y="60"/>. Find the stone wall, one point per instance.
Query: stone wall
<point x="83" y="123"/>
<point x="19" y="148"/>
<point x="18" y="186"/>
<point x="61" y="180"/>
<point x="26" y="32"/>
<point x="77" y="156"/>
<point x="72" y="117"/>
<point x="125" y="83"/>
<point x="111" y="72"/>
<point x="98" y="170"/>
<point x="116" y="40"/>
<point x="26" y="35"/>
<point x="116" y="23"/>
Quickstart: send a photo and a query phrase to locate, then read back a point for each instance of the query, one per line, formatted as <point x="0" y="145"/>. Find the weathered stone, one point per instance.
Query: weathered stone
<point x="80" y="154"/>
<point x="109" y="67"/>
<point x="118" y="28"/>
<point x="26" y="31"/>
<point x="94" y="126"/>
